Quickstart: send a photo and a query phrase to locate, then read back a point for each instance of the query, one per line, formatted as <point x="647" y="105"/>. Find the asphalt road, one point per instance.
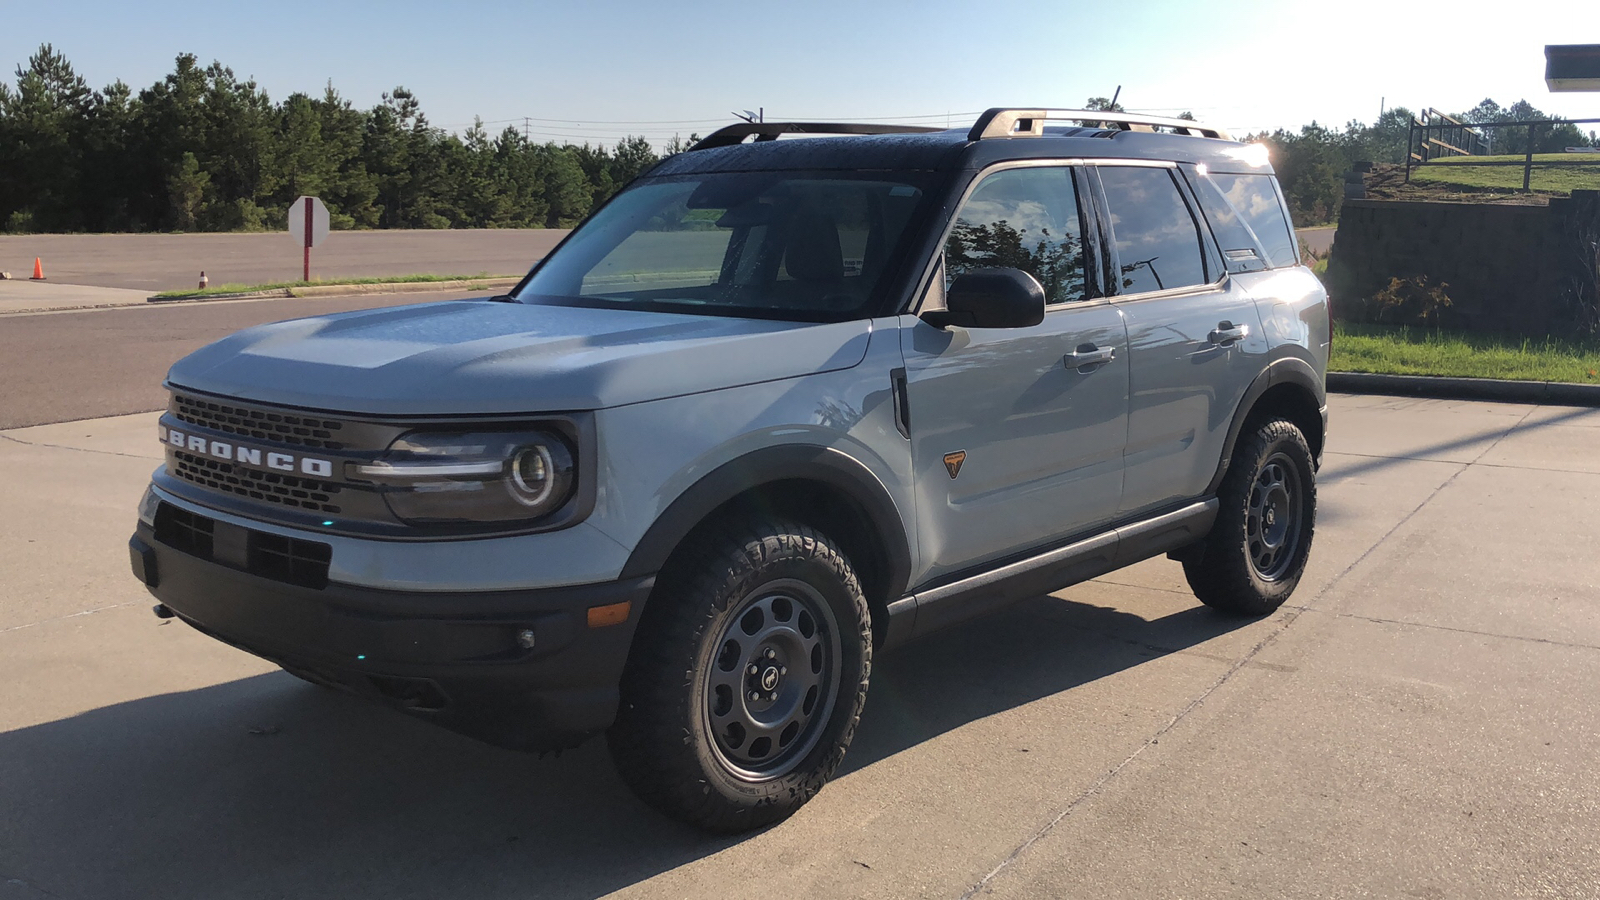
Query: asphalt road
<point x="162" y="262"/>
<point x="88" y="363"/>
<point x="1318" y="240"/>
<point x="1419" y="721"/>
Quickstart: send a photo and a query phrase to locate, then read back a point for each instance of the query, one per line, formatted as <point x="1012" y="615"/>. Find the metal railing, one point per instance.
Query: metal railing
<point x="1436" y="136"/>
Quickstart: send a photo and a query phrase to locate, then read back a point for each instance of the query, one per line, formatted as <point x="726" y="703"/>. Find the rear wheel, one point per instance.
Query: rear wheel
<point x="1253" y="558"/>
<point x="747" y="678"/>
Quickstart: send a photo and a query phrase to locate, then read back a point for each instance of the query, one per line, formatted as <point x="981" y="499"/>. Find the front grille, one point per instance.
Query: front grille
<point x="262" y="425"/>
<point x="285" y="559"/>
<point x="269" y="487"/>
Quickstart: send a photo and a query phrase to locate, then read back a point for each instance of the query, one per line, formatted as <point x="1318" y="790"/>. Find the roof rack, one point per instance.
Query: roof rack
<point x="1000" y="122"/>
<point x="769" y="131"/>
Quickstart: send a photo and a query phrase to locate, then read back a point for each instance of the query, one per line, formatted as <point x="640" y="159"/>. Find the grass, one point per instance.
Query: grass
<point x="1582" y="171"/>
<point x="1403" y="350"/>
<point x="279" y="285"/>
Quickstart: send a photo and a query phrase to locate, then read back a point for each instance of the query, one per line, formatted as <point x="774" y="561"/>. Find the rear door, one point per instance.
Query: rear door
<point x="1016" y="433"/>
<point x="1194" y="337"/>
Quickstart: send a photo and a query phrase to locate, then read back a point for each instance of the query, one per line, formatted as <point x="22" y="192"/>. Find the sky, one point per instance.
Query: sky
<point x="595" y="71"/>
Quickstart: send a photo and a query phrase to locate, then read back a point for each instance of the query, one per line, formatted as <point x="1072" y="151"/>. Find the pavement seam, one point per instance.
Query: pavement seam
<point x="1288" y="619"/>
<point x="76" y="615"/>
<point x="1453" y="462"/>
<point x="1143" y="587"/>
<point x="1510" y="637"/>
<point x="24" y="443"/>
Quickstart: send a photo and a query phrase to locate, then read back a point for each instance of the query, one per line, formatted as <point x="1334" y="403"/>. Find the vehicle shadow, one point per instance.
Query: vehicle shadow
<point x="269" y="787"/>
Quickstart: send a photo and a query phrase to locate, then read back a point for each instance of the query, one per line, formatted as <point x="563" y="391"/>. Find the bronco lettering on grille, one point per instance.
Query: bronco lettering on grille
<point x="229" y="452"/>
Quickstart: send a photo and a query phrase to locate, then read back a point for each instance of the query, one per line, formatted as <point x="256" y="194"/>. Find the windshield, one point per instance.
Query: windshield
<point x="805" y="246"/>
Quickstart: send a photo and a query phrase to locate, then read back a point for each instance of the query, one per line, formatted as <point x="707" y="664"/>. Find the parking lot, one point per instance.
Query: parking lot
<point x="1418" y="722"/>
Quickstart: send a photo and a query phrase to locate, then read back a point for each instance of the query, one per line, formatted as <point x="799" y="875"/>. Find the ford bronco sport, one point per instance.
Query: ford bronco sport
<point x="777" y="406"/>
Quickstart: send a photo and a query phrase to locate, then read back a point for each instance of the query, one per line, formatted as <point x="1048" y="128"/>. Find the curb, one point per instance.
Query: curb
<point x="1559" y="393"/>
<point x="351" y="290"/>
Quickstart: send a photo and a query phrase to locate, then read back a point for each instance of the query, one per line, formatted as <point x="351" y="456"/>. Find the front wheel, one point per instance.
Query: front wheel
<point x="747" y="679"/>
<point x="1256" y="551"/>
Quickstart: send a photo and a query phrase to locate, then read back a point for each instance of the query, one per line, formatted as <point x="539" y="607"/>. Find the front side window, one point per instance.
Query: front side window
<point x="1022" y="219"/>
<point x="786" y="245"/>
<point x="1158" y="244"/>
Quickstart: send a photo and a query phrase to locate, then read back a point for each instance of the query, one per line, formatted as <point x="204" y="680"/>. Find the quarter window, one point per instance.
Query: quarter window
<point x="1022" y="219"/>
<point x="1257" y="202"/>
<point x="1158" y="244"/>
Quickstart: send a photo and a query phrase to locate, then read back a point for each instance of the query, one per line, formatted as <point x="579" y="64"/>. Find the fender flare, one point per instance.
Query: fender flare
<point x="790" y="462"/>
<point x="1284" y="370"/>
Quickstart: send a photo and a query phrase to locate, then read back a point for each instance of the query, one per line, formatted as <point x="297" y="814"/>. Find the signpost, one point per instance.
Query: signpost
<point x="308" y="225"/>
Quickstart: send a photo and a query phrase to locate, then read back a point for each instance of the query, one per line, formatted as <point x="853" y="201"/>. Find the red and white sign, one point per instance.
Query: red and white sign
<point x="308" y="225"/>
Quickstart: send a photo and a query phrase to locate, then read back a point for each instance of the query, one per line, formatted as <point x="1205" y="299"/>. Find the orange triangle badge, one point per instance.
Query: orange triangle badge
<point x="953" y="461"/>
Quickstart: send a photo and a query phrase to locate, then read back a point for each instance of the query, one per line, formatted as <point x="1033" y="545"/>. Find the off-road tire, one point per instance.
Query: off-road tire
<point x="668" y="743"/>
<point x="1234" y="568"/>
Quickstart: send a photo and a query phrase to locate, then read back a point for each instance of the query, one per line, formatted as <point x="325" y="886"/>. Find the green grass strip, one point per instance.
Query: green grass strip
<point x="316" y="282"/>
<point x="1552" y="172"/>
<point x="1405" y="350"/>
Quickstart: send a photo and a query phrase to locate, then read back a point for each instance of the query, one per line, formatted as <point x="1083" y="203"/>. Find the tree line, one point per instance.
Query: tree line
<point x="202" y="150"/>
<point x="1311" y="163"/>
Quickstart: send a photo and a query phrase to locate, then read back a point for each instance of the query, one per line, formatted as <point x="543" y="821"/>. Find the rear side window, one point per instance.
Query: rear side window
<point x="1158" y="243"/>
<point x="1257" y="202"/>
<point x="1023" y="219"/>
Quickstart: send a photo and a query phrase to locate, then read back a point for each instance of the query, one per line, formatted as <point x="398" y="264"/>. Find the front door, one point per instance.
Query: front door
<point x="1016" y="434"/>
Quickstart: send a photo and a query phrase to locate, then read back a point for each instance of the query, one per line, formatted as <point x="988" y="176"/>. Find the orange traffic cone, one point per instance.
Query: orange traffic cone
<point x="204" y="281"/>
<point x="38" y="270"/>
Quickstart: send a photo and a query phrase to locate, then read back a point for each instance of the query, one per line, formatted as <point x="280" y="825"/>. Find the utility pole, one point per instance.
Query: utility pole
<point x="526" y="130"/>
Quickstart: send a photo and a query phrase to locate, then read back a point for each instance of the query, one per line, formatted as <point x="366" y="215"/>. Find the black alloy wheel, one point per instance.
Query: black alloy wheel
<point x="747" y="677"/>
<point x="1256" y="551"/>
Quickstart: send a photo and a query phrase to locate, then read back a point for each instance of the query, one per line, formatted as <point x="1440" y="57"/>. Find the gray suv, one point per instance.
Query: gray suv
<point x="776" y="407"/>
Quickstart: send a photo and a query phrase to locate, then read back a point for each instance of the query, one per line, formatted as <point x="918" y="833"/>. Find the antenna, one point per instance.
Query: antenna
<point x="1115" y="94"/>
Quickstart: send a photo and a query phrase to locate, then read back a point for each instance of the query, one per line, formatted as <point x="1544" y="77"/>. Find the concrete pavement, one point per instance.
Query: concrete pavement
<point x="44" y="296"/>
<point x="1418" y="722"/>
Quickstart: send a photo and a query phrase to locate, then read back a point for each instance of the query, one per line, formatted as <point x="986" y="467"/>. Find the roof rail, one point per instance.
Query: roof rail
<point x="769" y="131"/>
<point x="1000" y="122"/>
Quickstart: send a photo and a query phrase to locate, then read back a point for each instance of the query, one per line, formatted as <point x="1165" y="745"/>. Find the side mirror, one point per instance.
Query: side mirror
<point x="990" y="298"/>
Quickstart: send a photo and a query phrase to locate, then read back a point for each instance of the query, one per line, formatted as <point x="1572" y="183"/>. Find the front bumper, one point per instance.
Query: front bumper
<point x="456" y="659"/>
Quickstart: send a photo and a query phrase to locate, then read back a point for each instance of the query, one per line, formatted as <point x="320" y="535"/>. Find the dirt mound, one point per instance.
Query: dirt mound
<point x="1388" y="182"/>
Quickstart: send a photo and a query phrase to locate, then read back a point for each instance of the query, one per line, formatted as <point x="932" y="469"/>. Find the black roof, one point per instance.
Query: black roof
<point x="954" y="149"/>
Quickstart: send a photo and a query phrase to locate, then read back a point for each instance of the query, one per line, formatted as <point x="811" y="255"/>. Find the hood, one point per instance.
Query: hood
<point x="475" y="357"/>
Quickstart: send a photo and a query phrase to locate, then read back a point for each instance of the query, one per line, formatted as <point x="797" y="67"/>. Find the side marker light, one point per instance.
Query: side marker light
<point x="610" y="614"/>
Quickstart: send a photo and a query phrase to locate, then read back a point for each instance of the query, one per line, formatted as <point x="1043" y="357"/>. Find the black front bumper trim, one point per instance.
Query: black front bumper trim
<point x="451" y="657"/>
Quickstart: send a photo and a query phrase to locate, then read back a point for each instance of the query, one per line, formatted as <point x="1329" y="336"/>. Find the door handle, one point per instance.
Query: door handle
<point x="1088" y="356"/>
<point x="1227" y="333"/>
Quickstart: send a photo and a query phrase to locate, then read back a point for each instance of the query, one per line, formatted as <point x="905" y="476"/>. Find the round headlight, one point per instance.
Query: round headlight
<point x="536" y="474"/>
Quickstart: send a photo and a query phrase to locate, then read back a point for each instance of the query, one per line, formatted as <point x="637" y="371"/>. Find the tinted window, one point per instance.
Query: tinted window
<point x="1256" y="200"/>
<point x="1240" y="250"/>
<point x="789" y="245"/>
<point x="1022" y="219"/>
<point x="1157" y="241"/>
